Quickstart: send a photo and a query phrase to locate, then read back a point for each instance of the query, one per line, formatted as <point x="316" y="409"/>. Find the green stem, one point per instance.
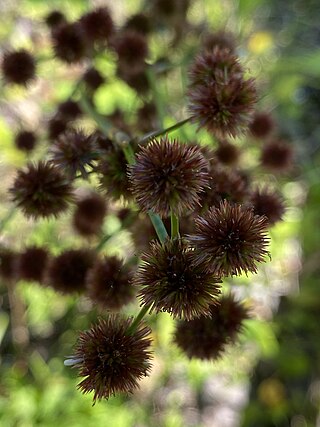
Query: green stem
<point x="134" y="325"/>
<point x="158" y="226"/>
<point x="10" y="215"/>
<point x="174" y="226"/>
<point x="160" y="132"/>
<point x="103" y="241"/>
<point x="129" y="154"/>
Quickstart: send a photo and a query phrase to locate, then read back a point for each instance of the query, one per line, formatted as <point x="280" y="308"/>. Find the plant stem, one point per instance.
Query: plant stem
<point x="160" y="132"/>
<point x="10" y="215"/>
<point x="133" y="327"/>
<point x="174" y="226"/>
<point x="158" y="226"/>
<point x="129" y="154"/>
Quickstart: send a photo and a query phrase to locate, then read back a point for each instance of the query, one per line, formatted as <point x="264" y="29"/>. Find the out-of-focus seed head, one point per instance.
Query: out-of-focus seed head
<point x="67" y="272"/>
<point x="32" y="263"/>
<point x="8" y="264"/>
<point x="54" y="19"/>
<point x="69" y="110"/>
<point x="147" y="118"/>
<point x="136" y="79"/>
<point x="111" y="357"/>
<point x="41" y="190"/>
<point x="227" y="153"/>
<point x="56" y="126"/>
<point x="219" y="39"/>
<point x="132" y="50"/>
<point x="170" y="281"/>
<point x="109" y="283"/>
<point x="269" y="203"/>
<point x="93" y="79"/>
<point x="167" y="9"/>
<point x="215" y="67"/>
<point x="18" y="67"/>
<point x="207" y="337"/>
<point x="261" y="125"/>
<point x="73" y="152"/>
<point x="25" y="140"/>
<point x="223" y="109"/>
<point x="97" y="25"/>
<point x="169" y="176"/>
<point x="69" y="43"/>
<point x="139" y="23"/>
<point x="277" y="156"/>
<point x="89" y="214"/>
<point x="230" y="239"/>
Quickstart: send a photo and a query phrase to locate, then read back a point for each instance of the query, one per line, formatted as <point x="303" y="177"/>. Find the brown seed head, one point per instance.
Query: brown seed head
<point x="89" y="214"/>
<point x="168" y="176"/>
<point x="227" y="153"/>
<point x="170" y="281"/>
<point x="111" y="358"/>
<point x="69" y="43"/>
<point x="25" y="140"/>
<point x="97" y="25"/>
<point x="219" y="39"/>
<point x="18" y="67"/>
<point x="262" y="125"/>
<point x="109" y="283"/>
<point x="8" y="264"/>
<point x="207" y="337"/>
<point x="69" y="110"/>
<point x="93" y="79"/>
<point x="277" y="156"/>
<point x="54" y="19"/>
<point x="56" y="126"/>
<point x="40" y="190"/>
<point x="230" y="239"/>
<point x="268" y="203"/>
<point x="132" y="50"/>
<point x="140" y="23"/>
<point x="32" y="264"/>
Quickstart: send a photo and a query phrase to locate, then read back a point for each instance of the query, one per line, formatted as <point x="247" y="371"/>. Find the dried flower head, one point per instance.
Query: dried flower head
<point x="97" y="25"/>
<point x="73" y="152"/>
<point x="219" y="39"/>
<point x="230" y="239"/>
<point x="25" y="140"/>
<point x="89" y="214"/>
<point x="147" y="118"/>
<point x="41" y="190"/>
<point x="54" y="19"/>
<point x="227" y="153"/>
<point x="111" y="357"/>
<point x="69" y="110"/>
<point x="169" y="176"/>
<point x="8" y="264"/>
<point x="207" y="337"/>
<point x="18" y="67"/>
<point x="268" y="203"/>
<point x="132" y="49"/>
<point x="93" y="79"/>
<point x="170" y="281"/>
<point x="277" y="156"/>
<point x="215" y="67"/>
<point x="69" y="43"/>
<point x="56" y="126"/>
<point x="67" y="272"/>
<point x="32" y="263"/>
<point x="109" y="283"/>
<point x="224" y="109"/>
<point x="140" y="23"/>
<point x="262" y="125"/>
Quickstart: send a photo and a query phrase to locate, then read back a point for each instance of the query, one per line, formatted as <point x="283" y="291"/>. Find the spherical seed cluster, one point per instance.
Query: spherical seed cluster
<point x="168" y="177"/>
<point x="227" y="153"/>
<point x="93" y="79"/>
<point x="18" y="67"/>
<point x="69" y="43"/>
<point x="97" y="25"/>
<point x="8" y="264"/>
<point x="54" y="19"/>
<point x="73" y="152"/>
<point x="169" y="281"/>
<point x="207" y="337"/>
<point x="140" y="23"/>
<point x="230" y="239"/>
<point x="268" y="203"/>
<point x="219" y="39"/>
<point x="67" y="272"/>
<point x="132" y="49"/>
<point x="89" y="214"/>
<point x="40" y="190"/>
<point x="70" y="110"/>
<point x="25" y="140"/>
<point x="111" y="358"/>
<point x="262" y="125"/>
<point x="32" y="263"/>
<point x="109" y="283"/>
<point x="277" y="156"/>
<point x="56" y="127"/>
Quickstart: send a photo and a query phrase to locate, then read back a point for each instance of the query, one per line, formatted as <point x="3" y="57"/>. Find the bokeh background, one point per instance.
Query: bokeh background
<point x="272" y="376"/>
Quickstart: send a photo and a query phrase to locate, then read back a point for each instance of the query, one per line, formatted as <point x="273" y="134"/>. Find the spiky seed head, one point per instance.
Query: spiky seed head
<point x="140" y="23"/>
<point x="56" y="126"/>
<point x="8" y="264"/>
<point x="111" y="357"/>
<point x="25" y="140"/>
<point x="261" y="125"/>
<point x="268" y="203"/>
<point x="89" y="214"/>
<point x="277" y="156"/>
<point x="132" y="50"/>
<point x="207" y="337"/>
<point x="227" y="153"/>
<point x="97" y="25"/>
<point x="54" y="19"/>
<point x="69" y="43"/>
<point x="69" y="110"/>
<point x="109" y="283"/>
<point x="219" y="39"/>
<point x="170" y="281"/>
<point x="73" y="152"/>
<point x="32" y="263"/>
<point x="67" y="272"/>
<point x="93" y="79"/>
<point x="169" y="176"/>
<point x="41" y="190"/>
<point x="18" y="67"/>
<point x="230" y="239"/>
